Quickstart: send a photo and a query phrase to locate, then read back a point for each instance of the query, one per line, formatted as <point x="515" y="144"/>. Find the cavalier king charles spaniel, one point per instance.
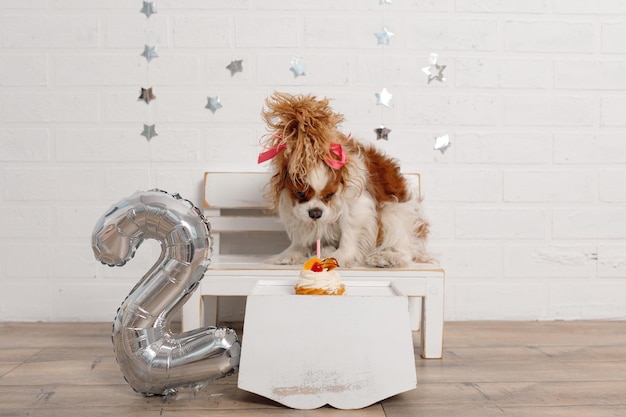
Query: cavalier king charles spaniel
<point x="330" y="187"/>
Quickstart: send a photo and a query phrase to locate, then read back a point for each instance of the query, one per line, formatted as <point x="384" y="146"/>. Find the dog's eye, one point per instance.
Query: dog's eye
<point x="300" y="195"/>
<point x="329" y="196"/>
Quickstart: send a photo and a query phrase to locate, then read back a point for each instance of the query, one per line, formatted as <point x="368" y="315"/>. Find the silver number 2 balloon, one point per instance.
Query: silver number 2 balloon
<point x="153" y="359"/>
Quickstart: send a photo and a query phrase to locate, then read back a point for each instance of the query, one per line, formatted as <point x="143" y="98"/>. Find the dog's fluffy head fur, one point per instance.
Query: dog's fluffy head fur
<point x="306" y="127"/>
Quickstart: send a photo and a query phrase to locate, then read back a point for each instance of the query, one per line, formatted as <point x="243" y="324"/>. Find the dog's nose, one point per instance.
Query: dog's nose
<point x="315" y="213"/>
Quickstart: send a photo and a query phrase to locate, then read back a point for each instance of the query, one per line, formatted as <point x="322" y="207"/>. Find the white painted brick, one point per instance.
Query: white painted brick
<point x="76" y="221"/>
<point x="124" y="105"/>
<point x="120" y="182"/>
<point x="24" y="144"/>
<point x="403" y="6"/>
<point x="589" y="223"/>
<point x="550" y="261"/>
<point x="441" y="220"/>
<point x="215" y="72"/>
<point x="503" y="299"/>
<point x="503" y="148"/>
<point x="26" y="300"/>
<point x="471" y="261"/>
<point x="231" y="146"/>
<point x="24" y="70"/>
<point x="23" y="4"/>
<point x="399" y="68"/>
<point x="612" y="261"/>
<point x="500" y="223"/>
<point x="453" y="34"/>
<point x="549" y="186"/>
<point x="324" y="5"/>
<point x="353" y="32"/>
<point x="594" y="75"/>
<point x="74" y="260"/>
<point x="185" y="181"/>
<point x="412" y="148"/>
<point x="502" y="6"/>
<point x="42" y="107"/>
<point x="28" y="260"/>
<point x="586" y="298"/>
<point x="609" y="7"/>
<point x="42" y="184"/>
<point x="105" y="4"/>
<point x="464" y="110"/>
<point x="202" y="31"/>
<point x="204" y="5"/>
<point x="266" y="31"/>
<point x="83" y="301"/>
<point x="94" y="70"/>
<point x="613" y="34"/>
<point x="503" y="73"/>
<point x="612" y="111"/>
<point x="581" y="148"/>
<point x="59" y="31"/>
<point x="27" y="221"/>
<point x="132" y="29"/>
<point x="463" y="185"/>
<point x="320" y="70"/>
<point x="177" y="145"/>
<point x="549" y="36"/>
<point x="550" y="110"/>
<point x="112" y="145"/>
<point x="189" y="107"/>
<point x="612" y="186"/>
<point x="172" y="69"/>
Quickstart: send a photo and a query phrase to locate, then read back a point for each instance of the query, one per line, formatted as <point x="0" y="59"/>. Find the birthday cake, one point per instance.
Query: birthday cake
<point x="320" y="277"/>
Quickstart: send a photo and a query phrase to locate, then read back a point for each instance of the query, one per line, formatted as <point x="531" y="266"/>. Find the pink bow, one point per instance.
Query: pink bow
<point x="335" y="148"/>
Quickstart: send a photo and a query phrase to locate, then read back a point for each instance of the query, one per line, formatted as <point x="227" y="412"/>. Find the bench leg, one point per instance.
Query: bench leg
<point x="192" y="312"/>
<point x="210" y="310"/>
<point x="432" y="320"/>
<point x="415" y="313"/>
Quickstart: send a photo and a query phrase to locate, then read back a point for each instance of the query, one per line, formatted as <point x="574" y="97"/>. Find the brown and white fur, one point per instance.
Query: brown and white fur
<point x="363" y="212"/>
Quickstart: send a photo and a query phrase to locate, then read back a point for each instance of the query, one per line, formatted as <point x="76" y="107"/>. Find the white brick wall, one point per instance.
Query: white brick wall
<point x="528" y="206"/>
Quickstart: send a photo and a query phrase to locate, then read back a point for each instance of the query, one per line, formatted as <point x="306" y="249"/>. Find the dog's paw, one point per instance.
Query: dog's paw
<point x="286" y="259"/>
<point x="387" y="259"/>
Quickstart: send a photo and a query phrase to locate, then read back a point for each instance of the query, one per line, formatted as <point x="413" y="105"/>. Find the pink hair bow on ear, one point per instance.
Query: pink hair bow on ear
<point x="270" y="153"/>
<point x="337" y="149"/>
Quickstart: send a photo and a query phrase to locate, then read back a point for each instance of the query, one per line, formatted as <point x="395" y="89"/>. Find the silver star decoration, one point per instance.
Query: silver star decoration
<point x="149" y="8"/>
<point x="146" y="95"/>
<point x="442" y="143"/>
<point x="235" y="66"/>
<point x="434" y="70"/>
<point x="383" y="2"/>
<point x="383" y="97"/>
<point x="213" y="103"/>
<point x="297" y="68"/>
<point x="149" y="52"/>
<point x="149" y="132"/>
<point x="383" y="37"/>
<point x="382" y="133"/>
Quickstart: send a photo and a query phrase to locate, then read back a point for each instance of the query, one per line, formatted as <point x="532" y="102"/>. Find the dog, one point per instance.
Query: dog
<point x="327" y="186"/>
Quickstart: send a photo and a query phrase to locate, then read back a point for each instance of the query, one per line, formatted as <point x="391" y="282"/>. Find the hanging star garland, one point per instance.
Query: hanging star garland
<point x="434" y="70"/>
<point x="442" y="143"/>
<point x="383" y="37"/>
<point x="382" y="133"/>
<point x="213" y="103"/>
<point x="148" y="8"/>
<point x="146" y="95"/>
<point x="235" y="66"/>
<point x="383" y="97"/>
<point x="297" y="68"/>
<point x="149" y="52"/>
<point x="149" y="132"/>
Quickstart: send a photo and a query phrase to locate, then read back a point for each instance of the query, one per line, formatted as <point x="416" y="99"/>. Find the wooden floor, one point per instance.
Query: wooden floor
<point x="538" y="369"/>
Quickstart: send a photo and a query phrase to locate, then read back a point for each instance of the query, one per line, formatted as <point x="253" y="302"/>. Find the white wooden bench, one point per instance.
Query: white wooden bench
<point x="234" y="204"/>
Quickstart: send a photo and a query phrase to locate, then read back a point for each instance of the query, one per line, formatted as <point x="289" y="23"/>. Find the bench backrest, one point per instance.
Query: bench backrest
<point x="235" y="206"/>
